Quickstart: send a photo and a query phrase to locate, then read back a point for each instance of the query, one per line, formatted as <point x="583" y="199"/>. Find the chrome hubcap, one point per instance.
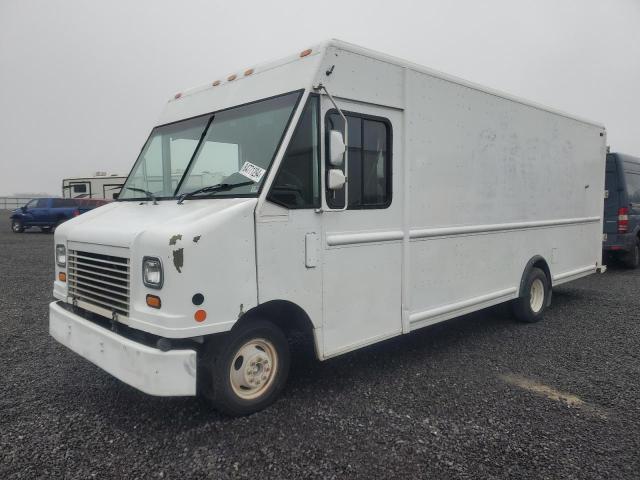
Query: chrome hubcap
<point x="536" y="298"/>
<point x="253" y="368"/>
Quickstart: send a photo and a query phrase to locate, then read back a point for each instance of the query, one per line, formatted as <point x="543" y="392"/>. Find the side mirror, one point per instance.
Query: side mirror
<point x="336" y="179"/>
<point x="336" y="148"/>
<point x="23" y="208"/>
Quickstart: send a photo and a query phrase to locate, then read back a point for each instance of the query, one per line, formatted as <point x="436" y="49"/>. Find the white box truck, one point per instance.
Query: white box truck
<point x="246" y="218"/>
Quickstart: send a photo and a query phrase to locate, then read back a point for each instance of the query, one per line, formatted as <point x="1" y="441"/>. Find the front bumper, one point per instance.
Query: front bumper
<point x="146" y="368"/>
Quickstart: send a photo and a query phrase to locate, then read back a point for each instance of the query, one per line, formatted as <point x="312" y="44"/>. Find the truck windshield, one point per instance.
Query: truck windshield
<point x="233" y="146"/>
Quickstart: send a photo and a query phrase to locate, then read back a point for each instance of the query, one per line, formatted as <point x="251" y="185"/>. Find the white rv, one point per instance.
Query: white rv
<point x="245" y="218"/>
<point x="100" y="186"/>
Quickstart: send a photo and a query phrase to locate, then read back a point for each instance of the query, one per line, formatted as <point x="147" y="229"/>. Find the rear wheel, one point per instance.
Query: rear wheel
<point x="17" y="226"/>
<point x="632" y="258"/>
<point x="534" y="297"/>
<point x="245" y="371"/>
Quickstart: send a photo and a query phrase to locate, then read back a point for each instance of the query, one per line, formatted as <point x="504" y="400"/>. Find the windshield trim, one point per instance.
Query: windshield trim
<point x="285" y="130"/>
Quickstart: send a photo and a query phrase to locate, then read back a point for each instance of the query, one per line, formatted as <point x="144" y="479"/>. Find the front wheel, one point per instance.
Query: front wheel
<point x="245" y="371"/>
<point x="17" y="226"/>
<point x="534" y="297"/>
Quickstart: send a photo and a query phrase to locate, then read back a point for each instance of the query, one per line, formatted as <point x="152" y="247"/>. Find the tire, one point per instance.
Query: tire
<point x="530" y="307"/>
<point x="17" y="226"/>
<point x="257" y="351"/>
<point x="632" y="258"/>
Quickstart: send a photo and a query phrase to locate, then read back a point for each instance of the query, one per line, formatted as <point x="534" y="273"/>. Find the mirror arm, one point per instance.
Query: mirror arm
<point x="321" y="86"/>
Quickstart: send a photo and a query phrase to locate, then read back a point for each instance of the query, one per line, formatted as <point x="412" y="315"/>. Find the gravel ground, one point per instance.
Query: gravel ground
<point x="476" y="397"/>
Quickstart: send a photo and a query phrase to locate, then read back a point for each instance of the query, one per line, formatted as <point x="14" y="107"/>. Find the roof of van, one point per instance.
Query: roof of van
<point x="356" y="49"/>
<point x="624" y="157"/>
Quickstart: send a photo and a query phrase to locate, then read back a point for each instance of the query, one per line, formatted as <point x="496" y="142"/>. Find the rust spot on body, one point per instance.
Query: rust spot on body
<point x="178" y="259"/>
<point x="196" y="238"/>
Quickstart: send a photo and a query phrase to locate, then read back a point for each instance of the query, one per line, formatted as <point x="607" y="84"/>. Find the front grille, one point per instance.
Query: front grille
<point x="99" y="281"/>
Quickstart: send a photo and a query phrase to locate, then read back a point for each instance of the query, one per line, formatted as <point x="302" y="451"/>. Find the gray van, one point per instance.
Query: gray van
<point x="622" y="209"/>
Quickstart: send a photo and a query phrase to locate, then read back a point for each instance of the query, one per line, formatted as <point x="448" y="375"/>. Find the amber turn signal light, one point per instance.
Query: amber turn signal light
<point x="153" y="301"/>
<point x="62" y="276"/>
<point x="200" y="315"/>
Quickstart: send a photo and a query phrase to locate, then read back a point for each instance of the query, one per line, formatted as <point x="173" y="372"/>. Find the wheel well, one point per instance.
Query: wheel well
<point x="535" y="262"/>
<point x="291" y="318"/>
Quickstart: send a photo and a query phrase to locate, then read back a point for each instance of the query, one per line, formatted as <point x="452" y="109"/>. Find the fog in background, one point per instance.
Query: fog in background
<point x="83" y="82"/>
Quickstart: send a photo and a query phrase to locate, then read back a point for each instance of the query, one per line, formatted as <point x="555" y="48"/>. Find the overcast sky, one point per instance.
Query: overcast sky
<point x="83" y="82"/>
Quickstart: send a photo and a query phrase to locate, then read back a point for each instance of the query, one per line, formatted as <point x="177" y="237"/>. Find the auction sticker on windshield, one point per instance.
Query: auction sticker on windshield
<point x="251" y="171"/>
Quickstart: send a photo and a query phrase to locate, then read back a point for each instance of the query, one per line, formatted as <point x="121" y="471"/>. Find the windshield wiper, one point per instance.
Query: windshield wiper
<point x="149" y="195"/>
<point x="212" y="188"/>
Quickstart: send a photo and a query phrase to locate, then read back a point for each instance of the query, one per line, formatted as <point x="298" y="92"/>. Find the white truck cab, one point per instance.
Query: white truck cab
<point x="339" y="192"/>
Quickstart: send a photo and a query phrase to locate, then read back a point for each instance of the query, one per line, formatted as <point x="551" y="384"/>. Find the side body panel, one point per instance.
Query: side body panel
<point x="492" y="183"/>
<point x="615" y="193"/>
<point x="623" y="191"/>
<point x="631" y="168"/>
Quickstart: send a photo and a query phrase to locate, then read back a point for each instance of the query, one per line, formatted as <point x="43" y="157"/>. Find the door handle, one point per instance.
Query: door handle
<point x="311" y="242"/>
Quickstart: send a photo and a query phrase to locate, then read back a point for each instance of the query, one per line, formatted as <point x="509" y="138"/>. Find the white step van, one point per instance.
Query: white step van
<point x="246" y="218"/>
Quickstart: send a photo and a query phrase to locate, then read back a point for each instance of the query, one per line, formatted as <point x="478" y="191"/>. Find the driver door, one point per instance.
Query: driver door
<point x="288" y="225"/>
<point x="40" y="212"/>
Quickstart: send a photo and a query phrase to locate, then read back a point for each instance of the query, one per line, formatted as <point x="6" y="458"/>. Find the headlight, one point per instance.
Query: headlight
<point x="152" y="272"/>
<point x="61" y="255"/>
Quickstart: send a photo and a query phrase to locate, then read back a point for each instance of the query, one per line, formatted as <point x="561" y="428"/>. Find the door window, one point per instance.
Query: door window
<point x="297" y="182"/>
<point x="369" y="161"/>
<point x="63" y="203"/>
<point x="42" y="203"/>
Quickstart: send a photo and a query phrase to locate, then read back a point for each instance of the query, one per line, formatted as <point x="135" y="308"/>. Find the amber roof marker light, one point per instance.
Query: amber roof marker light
<point x="305" y="53"/>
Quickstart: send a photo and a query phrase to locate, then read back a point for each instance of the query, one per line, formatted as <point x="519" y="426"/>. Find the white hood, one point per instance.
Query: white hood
<point x="119" y="223"/>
